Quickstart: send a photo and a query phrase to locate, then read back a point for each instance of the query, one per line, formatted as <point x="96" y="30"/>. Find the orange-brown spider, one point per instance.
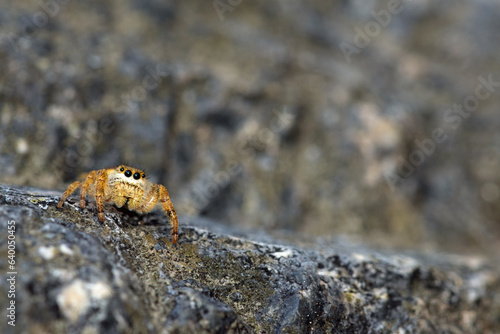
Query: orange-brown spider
<point x="124" y="186"/>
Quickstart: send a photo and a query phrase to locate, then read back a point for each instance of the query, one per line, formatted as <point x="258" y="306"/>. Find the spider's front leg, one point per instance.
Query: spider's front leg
<point x="170" y="211"/>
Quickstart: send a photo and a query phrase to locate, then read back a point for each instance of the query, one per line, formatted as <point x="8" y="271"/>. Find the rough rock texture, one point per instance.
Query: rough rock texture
<point x="255" y="108"/>
<point x="77" y="275"/>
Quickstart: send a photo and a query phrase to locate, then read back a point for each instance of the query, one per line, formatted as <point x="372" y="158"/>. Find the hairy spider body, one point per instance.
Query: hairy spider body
<point x="124" y="186"/>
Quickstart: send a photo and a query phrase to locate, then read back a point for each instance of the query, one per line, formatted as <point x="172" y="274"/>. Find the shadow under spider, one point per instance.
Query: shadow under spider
<point x="134" y="218"/>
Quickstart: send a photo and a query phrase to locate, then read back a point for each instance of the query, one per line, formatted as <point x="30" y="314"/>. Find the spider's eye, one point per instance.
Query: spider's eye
<point x="143" y="175"/>
<point x="128" y="173"/>
<point x="122" y="169"/>
<point x="137" y="176"/>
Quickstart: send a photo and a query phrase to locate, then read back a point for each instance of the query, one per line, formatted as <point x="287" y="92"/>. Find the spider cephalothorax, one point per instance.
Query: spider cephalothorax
<point x="124" y="186"/>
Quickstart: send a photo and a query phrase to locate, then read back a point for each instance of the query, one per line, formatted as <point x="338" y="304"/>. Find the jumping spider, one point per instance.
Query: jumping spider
<point x="124" y="186"/>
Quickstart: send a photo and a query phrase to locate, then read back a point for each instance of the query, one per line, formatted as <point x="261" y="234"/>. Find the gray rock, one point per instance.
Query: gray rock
<point x="76" y="275"/>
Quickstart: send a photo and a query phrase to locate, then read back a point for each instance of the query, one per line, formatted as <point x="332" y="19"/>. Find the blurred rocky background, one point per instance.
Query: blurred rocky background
<point x="375" y="120"/>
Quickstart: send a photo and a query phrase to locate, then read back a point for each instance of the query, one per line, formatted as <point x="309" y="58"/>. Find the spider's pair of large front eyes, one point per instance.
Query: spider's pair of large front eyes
<point x="128" y="173"/>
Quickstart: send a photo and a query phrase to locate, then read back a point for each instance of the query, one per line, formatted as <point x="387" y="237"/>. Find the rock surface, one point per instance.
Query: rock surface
<point x="76" y="275"/>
